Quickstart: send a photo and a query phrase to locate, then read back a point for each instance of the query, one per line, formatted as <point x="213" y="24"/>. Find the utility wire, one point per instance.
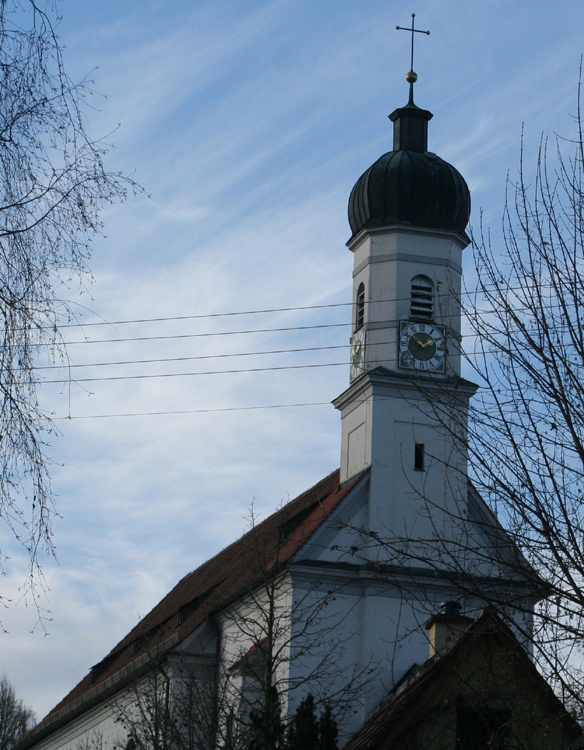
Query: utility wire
<point x="199" y="335"/>
<point x="67" y="366"/>
<point x="195" y="411"/>
<point x="211" y="333"/>
<point x="201" y="411"/>
<point x="214" y="333"/>
<point x="200" y="372"/>
<point x="189" y="374"/>
<point x="437" y="295"/>
<point x="206" y="315"/>
<point x="188" y="359"/>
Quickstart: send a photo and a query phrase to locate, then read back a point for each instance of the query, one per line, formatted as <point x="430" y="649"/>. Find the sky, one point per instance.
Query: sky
<point x="247" y="122"/>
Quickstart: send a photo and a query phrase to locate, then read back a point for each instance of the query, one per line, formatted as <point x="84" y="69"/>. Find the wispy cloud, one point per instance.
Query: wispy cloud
<point x="248" y="122"/>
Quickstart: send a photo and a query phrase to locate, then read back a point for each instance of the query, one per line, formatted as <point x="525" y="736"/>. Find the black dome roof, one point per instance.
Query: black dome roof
<point x="410" y="185"/>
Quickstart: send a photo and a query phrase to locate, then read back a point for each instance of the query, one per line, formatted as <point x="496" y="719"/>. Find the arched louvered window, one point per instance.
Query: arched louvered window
<point x="422" y="298"/>
<point x="360" y="307"/>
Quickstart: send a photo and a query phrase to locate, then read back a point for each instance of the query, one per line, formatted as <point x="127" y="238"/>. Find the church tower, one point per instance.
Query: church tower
<point x="404" y="413"/>
<point x="334" y="594"/>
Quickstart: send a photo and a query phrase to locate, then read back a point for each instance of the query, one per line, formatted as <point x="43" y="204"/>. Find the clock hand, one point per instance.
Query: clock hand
<point x="423" y="344"/>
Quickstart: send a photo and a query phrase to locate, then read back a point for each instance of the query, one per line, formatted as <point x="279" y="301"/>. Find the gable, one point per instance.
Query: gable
<point x="333" y="540"/>
<point x="495" y="538"/>
<point x="493" y="561"/>
<point x="487" y="678"/>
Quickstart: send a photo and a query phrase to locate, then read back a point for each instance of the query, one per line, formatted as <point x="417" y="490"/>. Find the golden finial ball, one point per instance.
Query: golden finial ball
<point x="411" y="77"/>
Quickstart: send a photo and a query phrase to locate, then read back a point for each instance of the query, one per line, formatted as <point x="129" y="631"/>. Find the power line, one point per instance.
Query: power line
<point x="68" y="366"/>
<point x="203" y="372"/>
<point x="207" y="334"/>
<point x="206" y="315"/>
<point x="74" y="380"/>
<point x="189" y="374"/>
<point x="188" y="359"/>
<point x="437" y="295"/>
<point x="199" y="335"/>
<point x="202" y="411"/>
<point x="221" y="333"/>
<point x="194" y="411"/>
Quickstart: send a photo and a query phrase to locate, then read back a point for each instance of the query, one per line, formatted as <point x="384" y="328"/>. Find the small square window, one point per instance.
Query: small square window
<point x="419" y="457"/>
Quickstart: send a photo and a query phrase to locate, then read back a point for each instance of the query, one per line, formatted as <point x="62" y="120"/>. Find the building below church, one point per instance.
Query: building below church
<point x="388" y="591"/>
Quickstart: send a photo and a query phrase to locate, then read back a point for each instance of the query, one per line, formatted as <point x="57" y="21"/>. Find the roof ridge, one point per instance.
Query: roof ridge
<point x="256" y="529"/>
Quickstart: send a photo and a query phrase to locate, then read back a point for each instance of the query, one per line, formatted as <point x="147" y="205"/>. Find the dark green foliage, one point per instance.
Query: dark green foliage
<point x="266" y="727"/>
<point x="303" y="732"/>
<point x="327" y="730"/>
<point x="307" y="731"/>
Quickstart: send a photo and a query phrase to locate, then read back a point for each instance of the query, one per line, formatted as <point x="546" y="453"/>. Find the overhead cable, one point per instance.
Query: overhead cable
<point x="201" y="316"/>
<point x="189" y="374"/>
<point x="200" y="335"/>
<point x="193" y="411"/>
<point x="188" y="359"/>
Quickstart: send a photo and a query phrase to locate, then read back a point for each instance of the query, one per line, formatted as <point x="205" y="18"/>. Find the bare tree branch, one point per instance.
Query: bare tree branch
<point x="15" y="718"/>
<point x="53" y="184"/>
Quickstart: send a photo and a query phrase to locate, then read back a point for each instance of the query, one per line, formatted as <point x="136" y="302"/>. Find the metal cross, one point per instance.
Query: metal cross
<point x="414" y="31"/>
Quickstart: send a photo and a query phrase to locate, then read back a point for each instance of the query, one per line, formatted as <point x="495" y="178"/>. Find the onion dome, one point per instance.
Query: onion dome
<point x="410" y="186"/>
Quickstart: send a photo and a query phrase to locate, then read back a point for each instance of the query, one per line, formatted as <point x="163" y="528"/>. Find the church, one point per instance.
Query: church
<point x="388" y="592"/>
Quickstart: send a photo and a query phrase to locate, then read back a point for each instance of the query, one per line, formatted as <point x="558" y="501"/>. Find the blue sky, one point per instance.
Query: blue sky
<point x="247" y="123"/>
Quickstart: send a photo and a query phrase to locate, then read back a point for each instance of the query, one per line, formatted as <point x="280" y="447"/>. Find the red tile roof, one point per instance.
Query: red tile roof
<point x="224" y="578"/>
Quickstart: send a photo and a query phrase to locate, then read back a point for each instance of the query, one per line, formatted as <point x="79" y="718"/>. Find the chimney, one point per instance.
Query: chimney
<point x="446" y="627"/>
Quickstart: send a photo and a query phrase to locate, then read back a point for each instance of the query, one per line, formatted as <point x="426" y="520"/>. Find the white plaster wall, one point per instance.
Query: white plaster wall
<point x="203" y="641"/>
<point x="246" y="623"/>
<point x="329" y="654"/>
<point x="356" y="437"/>
<point x="95" y="729"/>
<point x="381" y="426"/>
<point x="385" y="261"/>
<point x="405" y="503"/>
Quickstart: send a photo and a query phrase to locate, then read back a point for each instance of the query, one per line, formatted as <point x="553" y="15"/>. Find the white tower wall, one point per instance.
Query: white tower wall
<point x="388" y="410"/>
<point x="385" y="261"/>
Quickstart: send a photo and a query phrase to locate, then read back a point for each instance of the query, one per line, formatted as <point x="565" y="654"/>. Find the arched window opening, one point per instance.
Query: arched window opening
<point x="360" y="307"/>
<point x="422" y="298"/>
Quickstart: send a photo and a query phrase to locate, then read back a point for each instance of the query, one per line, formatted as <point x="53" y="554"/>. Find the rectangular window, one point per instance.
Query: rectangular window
<point x="419" y="457"/>
<point x="360" y="308"/>
<point x="482" y="729"/>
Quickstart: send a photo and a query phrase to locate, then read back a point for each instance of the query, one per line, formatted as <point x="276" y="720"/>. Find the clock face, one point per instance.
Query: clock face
<point x="422" y="346"/>
<point x="357" y="353"/>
